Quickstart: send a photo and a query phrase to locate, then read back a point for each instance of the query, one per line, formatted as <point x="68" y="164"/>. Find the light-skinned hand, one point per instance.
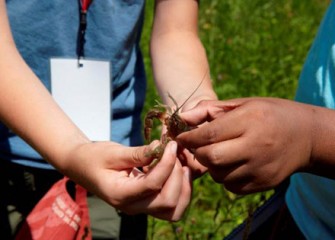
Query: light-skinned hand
<point x="110" y="171"/>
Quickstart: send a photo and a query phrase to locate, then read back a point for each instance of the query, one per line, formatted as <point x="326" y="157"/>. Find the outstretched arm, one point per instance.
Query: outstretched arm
<point x="178" y="56"/>
<point x="179" y="59"/>
<point x="253" y="144"/>
<point x="104" y="168"/>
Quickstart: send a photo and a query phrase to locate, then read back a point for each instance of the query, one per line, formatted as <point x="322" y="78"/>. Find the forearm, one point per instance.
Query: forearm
<point x="180" y="65"/>
<point x="28" y="108"/>
<point x="322" y="160"/>
<point x="178" y="56"/>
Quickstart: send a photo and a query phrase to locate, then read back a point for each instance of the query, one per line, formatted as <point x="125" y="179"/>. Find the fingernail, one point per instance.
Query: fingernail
<point x="173" y="147"/>
<point x="154" y="144"/>
<point x="187" y="173"/>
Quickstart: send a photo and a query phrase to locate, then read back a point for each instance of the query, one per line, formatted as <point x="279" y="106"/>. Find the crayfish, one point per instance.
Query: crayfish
<point x="170" y="119"/>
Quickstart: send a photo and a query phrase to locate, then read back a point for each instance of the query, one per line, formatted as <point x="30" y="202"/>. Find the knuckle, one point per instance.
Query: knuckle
<point x="238" y="187"/>
<point x="211" y="159"/>
<point x="214" y="157"/>
<point x="261" y="111"/>
<point x="203" y="103"/>
<point x="154" y="186"/>
<point x="175" y="218"/>
<point x="234" y="188"/>
<point x="137" y="155"/>
<point x="170" y="204"/>
<point x="211" y="135"/>
<point x="116" y="203"/>
<point x="217" y="178"/>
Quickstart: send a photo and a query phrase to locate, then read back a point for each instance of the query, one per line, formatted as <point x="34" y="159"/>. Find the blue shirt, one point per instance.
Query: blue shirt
<point x="44" y="29"/>
<point x="310" y="198"/>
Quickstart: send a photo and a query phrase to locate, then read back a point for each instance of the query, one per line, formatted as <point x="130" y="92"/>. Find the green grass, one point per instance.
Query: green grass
<point x="254" y="48"/>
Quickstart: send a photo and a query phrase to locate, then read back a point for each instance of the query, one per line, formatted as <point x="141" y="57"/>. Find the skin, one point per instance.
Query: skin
<point x="253" y="144"/>
<point x="178" y="72"/>
<point x="179" y="61"/>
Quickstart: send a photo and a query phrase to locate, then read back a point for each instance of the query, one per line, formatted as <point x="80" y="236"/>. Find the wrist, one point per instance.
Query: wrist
<point x="322" y="158"/>
<point x="69" y="153"/>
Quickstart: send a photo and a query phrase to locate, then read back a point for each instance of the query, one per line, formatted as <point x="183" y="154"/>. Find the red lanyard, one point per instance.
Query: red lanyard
<point x="84" y="4"/>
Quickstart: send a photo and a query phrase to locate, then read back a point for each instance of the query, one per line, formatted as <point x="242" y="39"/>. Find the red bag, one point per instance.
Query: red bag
<point x="58" y="216"/>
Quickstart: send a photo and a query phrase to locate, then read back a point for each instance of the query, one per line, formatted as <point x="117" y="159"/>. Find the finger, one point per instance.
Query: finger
<point x="255" y="176"/>
<point x="130" y="157"/>
<point x="161" y="205"/>
<point x="174" y="211"/>
<point x="206" y="111"/>
<point x="240" y="186"/>
<point x="241" y="180"/>
<point x="226" y="154"/>
<point x="164" y="201"/>
<point x="185" y="195"/>
<point x="188" y="159"/>
<point x="165" y="166"/>
<point x="131" y="189"/>
<point x="226" y="126"/>
<point x="229" y="163"/>
<point x="172" y="187"/>
<point x="244" y="186"/>
<point x="165" y="204"/>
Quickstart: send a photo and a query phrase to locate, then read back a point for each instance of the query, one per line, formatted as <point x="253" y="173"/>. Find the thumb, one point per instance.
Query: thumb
<point x="130" y="157"/>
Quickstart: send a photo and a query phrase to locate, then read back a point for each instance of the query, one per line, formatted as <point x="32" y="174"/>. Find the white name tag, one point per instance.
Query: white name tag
<point x="84" y="93"/>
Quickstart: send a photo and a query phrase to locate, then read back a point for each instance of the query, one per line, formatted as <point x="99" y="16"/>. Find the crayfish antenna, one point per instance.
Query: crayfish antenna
<point x="194" y="91"/>
<point x="174" y="101"/>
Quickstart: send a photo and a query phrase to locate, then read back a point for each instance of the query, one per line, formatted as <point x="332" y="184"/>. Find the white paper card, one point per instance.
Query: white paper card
<point x="84" y="93"/>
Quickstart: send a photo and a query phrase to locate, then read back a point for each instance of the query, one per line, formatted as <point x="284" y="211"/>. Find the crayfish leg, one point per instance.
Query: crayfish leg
<point x="149" y="121"/>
